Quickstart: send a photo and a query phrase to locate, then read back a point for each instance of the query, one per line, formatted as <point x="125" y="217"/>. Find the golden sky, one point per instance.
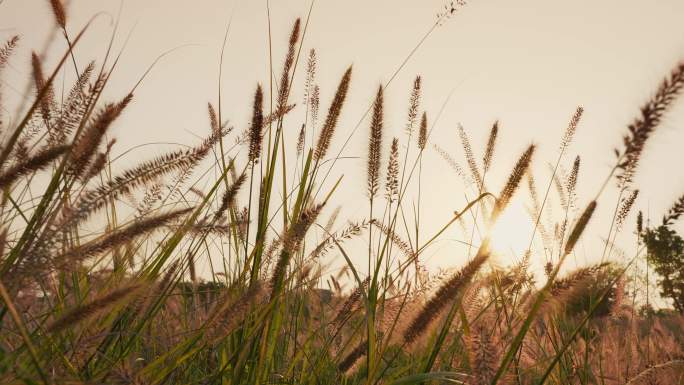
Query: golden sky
<point x="528" y="63"/>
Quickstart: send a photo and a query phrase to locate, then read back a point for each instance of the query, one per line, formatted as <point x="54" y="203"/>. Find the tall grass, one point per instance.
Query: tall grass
<point x="127" y="304"/>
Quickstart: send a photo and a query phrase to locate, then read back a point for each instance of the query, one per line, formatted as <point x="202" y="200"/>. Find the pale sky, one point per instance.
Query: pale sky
<point x="528" y="63"/>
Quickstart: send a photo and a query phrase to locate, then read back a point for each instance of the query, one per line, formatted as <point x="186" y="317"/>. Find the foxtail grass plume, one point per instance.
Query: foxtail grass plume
<point x="228" y="199"/>
<point x="86" y="145"/>
<point x="92" y="308"/>
<point x="534" y="194"/>
<point x="37" y="162"/>
<point x="315" y="103"/>
<point x="334" y="111"/>
<point x="255" y="137"/>
<point x="289" y="60"/>
<point x="489" y="150"/>
<point x="146" y="172"/>
<point x="625" y="208"/>
<point x="571" y="184"/>
<point x="392" y="183"/>
<point x="572" y="128"/>
<point x="446" y="293"/>
<point x="309" y="83"/>
<point x="59" y="13"/>
<point x="513" y="181"/>
<point x="350" y="359"/>
<point x="483" y="353"/>
<point x="120" y="236"/>
<point x="643" y="126"/>
<point x="350" y="304"/>
<point x="5" y="53"/>
<point x="47" y="102"/>
<point x="573" y="279"/>
<point x="375" y="145"/>
<point x="352" y="230"/>
<point x="7" y="49"/>
<point x="300" y="139"/>
<point x="449" y="10"/>
<point x="572" y="287"/>
<point x="291" y="242"/>
<point x="674" y="212"/>
<point x="397" y="240"/>
<point x="470" y="157"/>
<point x="414" y="105"/>
<point x="560" y="186"/>
<point x="452" y="163"/>
<point x="581" y="224"/>
<point x="213" y="120"/>
<point x="74" y="110"/>
<point x="422" y="132"/>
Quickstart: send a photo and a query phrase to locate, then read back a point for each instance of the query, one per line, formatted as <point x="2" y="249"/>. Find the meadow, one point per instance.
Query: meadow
<point x="100" y="275"/>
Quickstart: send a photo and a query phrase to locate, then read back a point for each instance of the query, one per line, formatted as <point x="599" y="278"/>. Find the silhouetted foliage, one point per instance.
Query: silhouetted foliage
<point x="666" y="255"/>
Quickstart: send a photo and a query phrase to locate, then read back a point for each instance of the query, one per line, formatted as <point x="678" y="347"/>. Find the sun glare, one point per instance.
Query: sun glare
<point x="511" y="234"/>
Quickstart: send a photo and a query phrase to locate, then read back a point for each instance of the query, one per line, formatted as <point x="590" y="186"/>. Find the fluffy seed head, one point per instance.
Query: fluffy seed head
<point x="87" y="144"/>
<point x="7" y="49"/>
<point x="491" y="143"/>
<point x="448" y="291"/>
<point x="334" y="111"/>
<point x="513" y="181"/>
<point x="58" y="12"/>
<point x="572" y="127"/>
<point x="31" y="165"/>
<point x="643" y="126"/>
<point x="119" y="237"/>
<point x="228" y="199"/>
<point x="627" y="204"/>
<point x="571" y="184"/>
<point x="87" y="310"/>
<point x="414" y="105"/>
<point x="422" y="132"/>
<point x="581" y="224"/>
<point x="257" y="125"/>
<point x="44" y="90"/>
<point x="674" y="212"/>
<point x="392" y="183"/>
<point x="470" y="157"/>
<point x="289" y="60"/>
<point x="213" y="120"/>
<point x="375" y="145"/>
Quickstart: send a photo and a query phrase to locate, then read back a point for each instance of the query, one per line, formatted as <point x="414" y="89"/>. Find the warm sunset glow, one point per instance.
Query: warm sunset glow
<point x="352" y="192"/>
<point x="511" y="233"/>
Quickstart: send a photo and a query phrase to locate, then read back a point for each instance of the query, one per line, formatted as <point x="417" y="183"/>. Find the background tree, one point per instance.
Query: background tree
<point x="666" y="255"/>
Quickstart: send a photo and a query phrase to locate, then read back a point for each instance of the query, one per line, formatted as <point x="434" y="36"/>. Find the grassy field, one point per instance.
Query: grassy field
<point x="99" y="274"/>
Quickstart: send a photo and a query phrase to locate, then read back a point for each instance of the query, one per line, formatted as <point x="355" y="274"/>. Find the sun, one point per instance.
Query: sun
<point x="511" y="234"/>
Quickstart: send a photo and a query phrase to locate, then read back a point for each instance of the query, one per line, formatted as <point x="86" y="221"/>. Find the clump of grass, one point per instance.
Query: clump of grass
<point x="95" y="258"/>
